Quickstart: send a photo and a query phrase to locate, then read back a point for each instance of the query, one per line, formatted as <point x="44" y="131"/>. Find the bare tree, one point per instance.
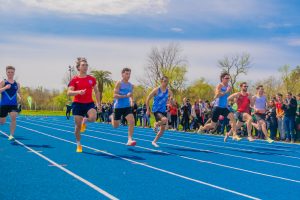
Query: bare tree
<point x="235" y="66"/>
<point x="166" y="61"/>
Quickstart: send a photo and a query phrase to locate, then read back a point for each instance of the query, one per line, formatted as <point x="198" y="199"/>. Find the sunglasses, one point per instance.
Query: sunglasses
<point x="246" y="86"/>
<point x="227" y="78"/>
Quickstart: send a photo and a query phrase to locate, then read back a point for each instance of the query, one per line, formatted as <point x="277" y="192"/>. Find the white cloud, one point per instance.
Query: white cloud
<point x="272" y="25"/>
<point x="219" y="11"/>
<point x="43" y="61"/>
<point x="290" y="41"/>
<point x="98" y="7"/>
<point x="177" y="30"/>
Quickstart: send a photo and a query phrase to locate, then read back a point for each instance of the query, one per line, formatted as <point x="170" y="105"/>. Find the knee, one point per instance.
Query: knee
<point x="164" y="121"/>
<point x="131" y="121"/>
<point x="93" y="119"/>
<point x="115" y="126"/>
<point x="78" y="127"/>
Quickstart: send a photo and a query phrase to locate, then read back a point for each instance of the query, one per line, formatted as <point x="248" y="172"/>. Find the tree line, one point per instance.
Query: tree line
<point x="168" y="61"/>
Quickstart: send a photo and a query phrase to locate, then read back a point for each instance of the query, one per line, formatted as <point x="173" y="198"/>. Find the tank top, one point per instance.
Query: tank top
<point x="125" y="88"/>
<point x="160" y="101"/>
<point x="260" y="103"/>
<point x="222" y="101"/>
<point x="9" y="96"/>
<point x="243" y="103"/>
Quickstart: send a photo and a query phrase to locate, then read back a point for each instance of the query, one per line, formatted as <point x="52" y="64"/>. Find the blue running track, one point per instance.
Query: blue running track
<point x="42" y="164"/>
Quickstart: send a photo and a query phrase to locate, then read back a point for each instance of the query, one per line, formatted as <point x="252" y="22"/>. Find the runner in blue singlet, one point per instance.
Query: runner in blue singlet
<point x="161" y="95"/>
<point x="9" y="89"/>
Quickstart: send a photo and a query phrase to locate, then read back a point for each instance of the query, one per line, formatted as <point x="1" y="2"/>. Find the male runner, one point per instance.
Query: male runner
<point x="260" y="104"/>
<point x="221" y="106"/>
<point x="9" y="89"/>
<point x="123" y="103"/>
<point x="243" y="100"/>
<point x="161" y="95"/>
<point x="82" y="87"/>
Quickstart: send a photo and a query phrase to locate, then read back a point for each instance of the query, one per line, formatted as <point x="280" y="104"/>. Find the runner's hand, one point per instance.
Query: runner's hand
<point x="148" y="112"/>
<point x="8" y="86"/>
<point x="82" y="92"/>
<point x="228" y="89"/>
<point x="99" y="108"/>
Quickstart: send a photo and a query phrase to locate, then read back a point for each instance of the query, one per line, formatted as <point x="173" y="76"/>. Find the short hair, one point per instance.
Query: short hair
<point x="126" y="69"/>
<point x="260" y="86"/>
<point x="298" y="95"/>
<point x="10" y="67"/>
<point x="289" y="93"/>
<point x="223" y="75"/>
<point x="164" y="78"/>
<point x="279" y="94"/>
<point x="79" y="60"/>
<point x="243" y="83"/>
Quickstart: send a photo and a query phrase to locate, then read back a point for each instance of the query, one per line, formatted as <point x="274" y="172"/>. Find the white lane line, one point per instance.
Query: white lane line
<point x="185" y="147"/>
<point x="214" y="145"/>
<point x="220" y="146"/>
<point x="34" y="152"/>
<point x="259" y="143"/>
<point x="189" y="158"/>
<point x="147" y="166"/>
<point x="91" y="185"/>
<point x="63" y="165"/>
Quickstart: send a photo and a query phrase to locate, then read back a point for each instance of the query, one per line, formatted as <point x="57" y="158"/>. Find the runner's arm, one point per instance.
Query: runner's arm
<point x="71" y="91"/>
<point x="219" y="93"/>
<point x="252" y="101"/>
<point x="150" y="96"/>
<point x="233" y="96"/>
<point x="131" y="97"/>
<point x="19" y="93"/>
<point x="117" y="90"/>
<point x="97" y="95"/>
<point x="2" y="88"/>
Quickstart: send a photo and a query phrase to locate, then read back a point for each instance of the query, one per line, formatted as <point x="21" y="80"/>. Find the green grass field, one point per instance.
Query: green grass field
<point x="43" y="113"/>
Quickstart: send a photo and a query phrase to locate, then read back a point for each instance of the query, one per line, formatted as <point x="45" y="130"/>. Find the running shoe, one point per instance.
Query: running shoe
<point x="11" y="137"/>
<point x="236" y="137"/>
<point x="155" y="145"/>
<point x="269" y="140"/>
<point x="79" y="149"/>
<point x="131" y="143"/>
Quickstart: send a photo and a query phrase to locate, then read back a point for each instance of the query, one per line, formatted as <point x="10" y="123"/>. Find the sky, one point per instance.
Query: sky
<point x="41" y="38"/>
